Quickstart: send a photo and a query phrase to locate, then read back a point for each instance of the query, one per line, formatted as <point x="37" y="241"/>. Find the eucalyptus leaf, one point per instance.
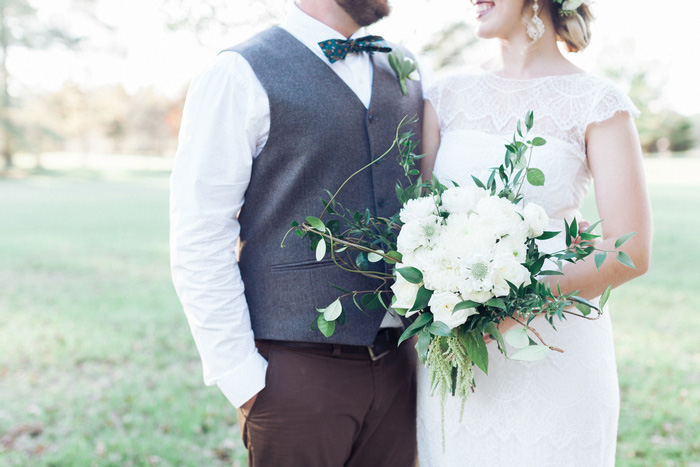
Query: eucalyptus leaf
<point x="327" y="328"/>
<point x="535" y="177"/>
<point x="320" y="250"/>
<point x="375" y="257"/>
<point x="316" y="223"/>
<point x="333" y="310"/>
<point x="539" y="141"/>
<point x="584" y="309"/>
<point x="547" y="234"/>
<point x="517" y="337"/>
<point x="531" y="353"/>
<point x="497" y="303"/>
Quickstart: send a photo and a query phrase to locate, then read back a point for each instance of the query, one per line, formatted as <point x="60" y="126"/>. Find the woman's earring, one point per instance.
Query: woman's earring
<point x="535" y="27"/>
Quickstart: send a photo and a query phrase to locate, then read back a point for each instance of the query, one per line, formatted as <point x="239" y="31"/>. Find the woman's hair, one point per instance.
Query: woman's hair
<point x="573" y="29"/>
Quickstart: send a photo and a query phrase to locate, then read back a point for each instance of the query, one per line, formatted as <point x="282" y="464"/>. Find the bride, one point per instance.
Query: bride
<point x="562" y="410"/>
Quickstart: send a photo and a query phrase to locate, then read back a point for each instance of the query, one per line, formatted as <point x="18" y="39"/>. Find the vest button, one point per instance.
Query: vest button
<point x="381" y="202"/>
<point x="371" y="118"/>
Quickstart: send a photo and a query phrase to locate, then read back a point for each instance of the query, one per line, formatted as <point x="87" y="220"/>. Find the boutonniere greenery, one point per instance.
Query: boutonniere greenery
<point x="404" y="67"/>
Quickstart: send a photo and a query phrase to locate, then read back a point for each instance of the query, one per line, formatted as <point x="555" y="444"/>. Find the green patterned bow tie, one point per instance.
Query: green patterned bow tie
<point x="338" y="49"/>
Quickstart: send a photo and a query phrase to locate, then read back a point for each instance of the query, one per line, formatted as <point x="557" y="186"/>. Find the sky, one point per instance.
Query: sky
<point x="144" y="53"/>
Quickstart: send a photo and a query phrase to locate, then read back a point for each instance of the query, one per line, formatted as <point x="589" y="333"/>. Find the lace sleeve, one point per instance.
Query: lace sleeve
<point x="433" y="95"/>
<point x="610" y="101"/>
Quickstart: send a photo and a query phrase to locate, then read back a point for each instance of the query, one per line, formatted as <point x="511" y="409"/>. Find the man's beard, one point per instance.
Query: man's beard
<point x="365" y="12"/>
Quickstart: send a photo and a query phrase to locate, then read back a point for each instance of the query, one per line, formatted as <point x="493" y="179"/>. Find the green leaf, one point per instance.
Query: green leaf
<point x="600" y="259"/>
<point x="371" y="301"/>
<point x="546" y="235"/>
<point x="333" y="310"/>
<point x="492" y="329"/>
<point x="316" y="223"/>
<point x="584" y="309"/>
<point x="622" y="240"/>
<point x="593" y="226"/>
<point x="478" y="182"/>
<point x="625" y="259"/>
<point x="438" y="328"/>
<point x="374" y="257"/>
<point x="476" y="348"/>
<point x="531" y="353"/>
<point x="496" y="303"/>
<point x="529" y="120"/>
<point x="423" y="345"/>
<point x="361" y="262"/>
<point x="411" y="274"/>
<point x="320" y="250"/>
<point x="465" y="304"/>
<point x="327" y="328"/>
<point x="535" y="177"/>
<point x="573" y="228"/>
<point x="422" y="298"/>
<point x="416" y="327"/>
<point x="395" y="255"/>
<point x="539" y="141"/>
<point x="604" y="298"/>
<point x="517" y="337"/>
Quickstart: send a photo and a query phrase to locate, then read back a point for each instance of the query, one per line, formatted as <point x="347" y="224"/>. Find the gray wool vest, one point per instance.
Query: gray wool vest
<point x="320" y="133"/>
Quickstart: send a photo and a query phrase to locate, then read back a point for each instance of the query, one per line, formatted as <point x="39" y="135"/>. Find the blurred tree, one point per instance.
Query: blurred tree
<point x="450" y="47"/>
<point x="22" y="27"/>
<point x="660" y="129"/>
<point x="216" y="17"/>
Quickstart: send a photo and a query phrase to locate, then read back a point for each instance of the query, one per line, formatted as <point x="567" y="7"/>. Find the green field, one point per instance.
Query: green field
<point x="97" y="365"/>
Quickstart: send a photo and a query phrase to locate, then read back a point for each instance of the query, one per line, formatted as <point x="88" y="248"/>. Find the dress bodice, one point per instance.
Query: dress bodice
<point x="478" y="114"/>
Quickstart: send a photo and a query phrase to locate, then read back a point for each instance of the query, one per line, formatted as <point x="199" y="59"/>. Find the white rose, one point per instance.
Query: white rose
<point x="405" y="293"/>
<point x="536" y="219"/>
<point x="418" y="209"/>
<point x="507" y="269"/>
<point x="460" y="199"/>
<point x="500" y="213"/>
<point x="442" y="306"/>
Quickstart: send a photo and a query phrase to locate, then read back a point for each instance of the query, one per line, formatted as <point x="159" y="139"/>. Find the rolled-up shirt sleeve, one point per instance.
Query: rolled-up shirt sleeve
<point x="225" y="123"/>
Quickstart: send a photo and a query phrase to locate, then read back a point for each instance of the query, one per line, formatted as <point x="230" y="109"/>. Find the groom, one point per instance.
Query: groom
<point x="270" y="125"/>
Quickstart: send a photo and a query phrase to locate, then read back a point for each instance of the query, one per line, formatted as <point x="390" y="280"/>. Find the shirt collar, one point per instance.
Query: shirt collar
<point x="311" y="31"/>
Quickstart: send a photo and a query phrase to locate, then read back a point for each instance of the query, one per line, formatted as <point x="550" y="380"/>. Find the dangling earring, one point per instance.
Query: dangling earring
<point x="535" y="27"/>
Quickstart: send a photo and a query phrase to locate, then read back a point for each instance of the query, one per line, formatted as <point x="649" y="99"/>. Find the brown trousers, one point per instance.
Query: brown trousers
<point x="331" y="411"/>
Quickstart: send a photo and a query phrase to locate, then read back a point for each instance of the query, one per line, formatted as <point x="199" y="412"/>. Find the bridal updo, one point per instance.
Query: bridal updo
<point x="574" y="30"/>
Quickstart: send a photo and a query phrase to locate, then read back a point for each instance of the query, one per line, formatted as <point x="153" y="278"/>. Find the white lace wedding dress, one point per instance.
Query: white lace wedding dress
<point x="562" y="410"/>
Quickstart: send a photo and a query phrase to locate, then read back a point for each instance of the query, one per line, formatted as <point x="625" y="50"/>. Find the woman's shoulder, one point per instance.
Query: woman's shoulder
<point x="454" y="83"/>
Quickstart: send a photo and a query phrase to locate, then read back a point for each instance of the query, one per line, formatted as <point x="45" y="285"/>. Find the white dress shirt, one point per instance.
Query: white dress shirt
<point x="225" y="125"/>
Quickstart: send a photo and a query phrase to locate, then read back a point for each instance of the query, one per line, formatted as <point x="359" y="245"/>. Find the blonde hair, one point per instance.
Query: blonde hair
<point x="574" y="30"/>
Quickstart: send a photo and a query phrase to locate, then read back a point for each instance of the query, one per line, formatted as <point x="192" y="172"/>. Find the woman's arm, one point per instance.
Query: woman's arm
<point x="615" y="160"/>
<point x="431" y="140"/>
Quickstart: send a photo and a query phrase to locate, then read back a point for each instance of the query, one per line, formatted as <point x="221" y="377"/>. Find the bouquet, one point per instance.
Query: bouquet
<point x="463" y="259"/>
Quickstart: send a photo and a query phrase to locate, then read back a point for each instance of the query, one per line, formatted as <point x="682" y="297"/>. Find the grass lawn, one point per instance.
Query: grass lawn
<point x="97" y="365"/>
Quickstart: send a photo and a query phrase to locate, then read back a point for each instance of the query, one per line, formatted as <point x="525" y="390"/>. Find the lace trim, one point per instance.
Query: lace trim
<point x="564" y="105"/>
